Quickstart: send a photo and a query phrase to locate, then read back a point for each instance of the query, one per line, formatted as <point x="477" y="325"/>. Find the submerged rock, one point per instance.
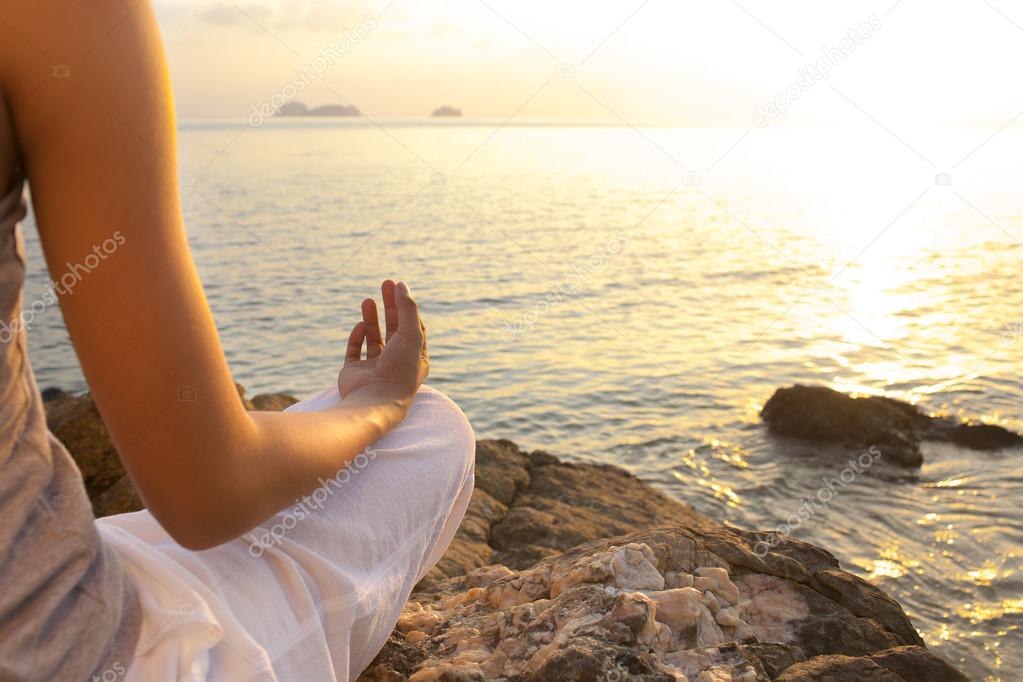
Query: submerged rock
<point x="606" y="610"/>
<point x="896" y="428"/>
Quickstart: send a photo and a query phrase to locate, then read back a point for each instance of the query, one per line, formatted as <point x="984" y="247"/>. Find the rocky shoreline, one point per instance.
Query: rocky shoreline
<point x="566" y="571"/>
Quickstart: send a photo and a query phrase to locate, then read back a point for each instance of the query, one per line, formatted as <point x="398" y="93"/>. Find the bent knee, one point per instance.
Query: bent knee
<point x="441" y="432"/>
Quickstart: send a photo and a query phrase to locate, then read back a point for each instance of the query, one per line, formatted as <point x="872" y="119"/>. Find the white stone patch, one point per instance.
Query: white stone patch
<point x="516" y="622"/>
<point x="674" y="579"/>
<point x="632" y="567"/>
<point x="770" y="606"/>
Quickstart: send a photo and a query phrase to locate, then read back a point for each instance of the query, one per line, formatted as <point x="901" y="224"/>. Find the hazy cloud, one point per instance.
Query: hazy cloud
<point x="227" y="14"/>
<point x="320" y="15"/>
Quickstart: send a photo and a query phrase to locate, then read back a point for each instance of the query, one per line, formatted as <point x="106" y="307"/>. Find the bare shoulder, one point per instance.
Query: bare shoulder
<point x="57" y="56"/>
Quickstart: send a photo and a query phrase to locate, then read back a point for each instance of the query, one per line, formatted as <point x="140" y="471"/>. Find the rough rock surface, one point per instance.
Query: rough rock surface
<point x="821" y="414"/>
<point x="674" y="603"/>
<point x="272" y="402"/>
<point x="891" y="665"/>
<point x="529" y="506"/>
<point x="76" y="423"/>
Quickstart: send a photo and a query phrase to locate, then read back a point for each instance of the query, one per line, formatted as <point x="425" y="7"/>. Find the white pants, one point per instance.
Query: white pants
<point x="312" y="594"/>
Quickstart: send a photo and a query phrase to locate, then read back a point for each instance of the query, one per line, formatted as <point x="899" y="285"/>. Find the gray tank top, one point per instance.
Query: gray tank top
<point x="67" y="609"/>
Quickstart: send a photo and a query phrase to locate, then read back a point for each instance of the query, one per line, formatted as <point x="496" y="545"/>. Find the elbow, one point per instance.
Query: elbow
<point x="197" y="540"/>
<point x="195" y="534"/>
<point x="204" y="504"/>
<point x="197" y="522"/>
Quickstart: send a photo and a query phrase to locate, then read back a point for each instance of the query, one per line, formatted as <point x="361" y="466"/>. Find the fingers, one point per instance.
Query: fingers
<point x="354" y="351"/>
<point x="371" y="324"/>
<point x="409" y="323"/>
<point x="390" y="307"/>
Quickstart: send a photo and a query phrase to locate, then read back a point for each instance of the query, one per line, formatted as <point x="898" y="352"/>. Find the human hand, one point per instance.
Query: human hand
<point x="395" y="366"/>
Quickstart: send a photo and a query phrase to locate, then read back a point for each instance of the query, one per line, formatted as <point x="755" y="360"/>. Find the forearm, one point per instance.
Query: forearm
<point x="283" y="457"/>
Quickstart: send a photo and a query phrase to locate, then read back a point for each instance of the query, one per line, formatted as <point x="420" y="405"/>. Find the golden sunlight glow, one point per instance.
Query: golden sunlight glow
<point x="672" y="63"/>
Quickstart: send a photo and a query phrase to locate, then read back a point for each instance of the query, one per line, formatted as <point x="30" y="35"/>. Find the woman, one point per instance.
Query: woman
<point x="275" y="546"/>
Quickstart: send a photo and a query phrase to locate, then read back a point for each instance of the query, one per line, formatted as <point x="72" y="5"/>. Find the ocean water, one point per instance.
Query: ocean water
<point x="634" y="296"/>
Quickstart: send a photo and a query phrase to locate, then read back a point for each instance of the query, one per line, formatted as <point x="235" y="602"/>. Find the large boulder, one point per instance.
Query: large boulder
<point x="676" y="603"/>
<point x="896" y="428"/>
<point x="526" y="507"/>
<point x="76" y="423"/>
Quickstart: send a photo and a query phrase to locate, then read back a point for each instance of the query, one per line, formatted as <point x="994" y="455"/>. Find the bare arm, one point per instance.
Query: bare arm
<point x="98" y="148"/>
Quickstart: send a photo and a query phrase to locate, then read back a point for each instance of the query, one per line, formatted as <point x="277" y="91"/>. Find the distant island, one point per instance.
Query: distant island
<point x="299" y="109"/>
<point x="446" y="111"/>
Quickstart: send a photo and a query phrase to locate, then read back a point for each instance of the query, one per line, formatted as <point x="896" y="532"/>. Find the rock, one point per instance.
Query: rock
<point x="273" y="402"/>
<point x="529" y="590"/>
<point x="53" y="393"/>
<point x="916" y="664"/>
<point x="446" y="110"/>
<point x="894" y="427"/>
<point x="679" y="608"/>
<point x="120" y="498"/>
<point x="76" y="423"/>
<point x="595" y="613"/>
<point x="821" y="414"/>
<point x="530" y="506"/>
<point x="977" y="436"/>
<point x="241" y="396"/>
<point x="674" y="579"/>
<point x="728" y="617"/>
<point x="295" y="108"/>
<point x="898" y="664"/>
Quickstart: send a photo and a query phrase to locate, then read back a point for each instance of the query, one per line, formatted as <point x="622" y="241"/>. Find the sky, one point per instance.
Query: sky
<point x="635" y="62"/>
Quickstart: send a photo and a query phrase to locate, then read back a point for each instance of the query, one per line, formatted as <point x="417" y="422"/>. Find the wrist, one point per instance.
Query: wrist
<point x="392" y="404"/>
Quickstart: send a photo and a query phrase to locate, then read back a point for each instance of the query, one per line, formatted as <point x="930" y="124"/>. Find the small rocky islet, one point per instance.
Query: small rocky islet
<point x="578" y="571"/>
